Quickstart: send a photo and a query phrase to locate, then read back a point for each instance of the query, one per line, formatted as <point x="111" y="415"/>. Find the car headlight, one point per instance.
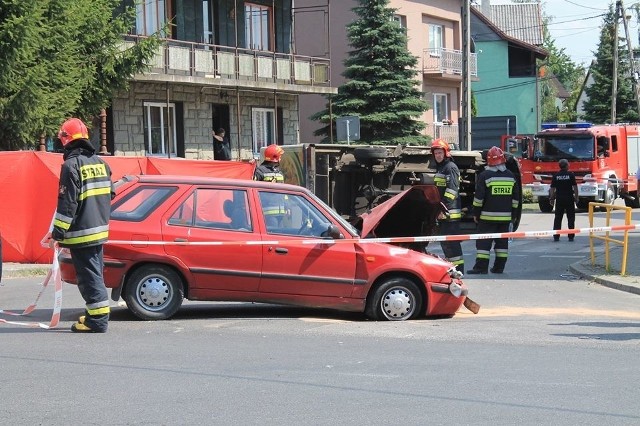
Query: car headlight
<point x="454" y="273"/>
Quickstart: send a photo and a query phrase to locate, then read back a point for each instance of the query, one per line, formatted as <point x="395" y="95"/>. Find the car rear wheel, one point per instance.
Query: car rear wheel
<point x="154" y="292"/>
<point x="396" y="299"/>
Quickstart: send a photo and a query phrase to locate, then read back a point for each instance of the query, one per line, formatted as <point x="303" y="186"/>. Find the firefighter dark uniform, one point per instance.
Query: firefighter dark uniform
<point x="564" y="191"/>
<point x="495" y="201"/>
<point x="81" y="221"/>
<point x="447" y="180"/>
<point x="269" y="171"/>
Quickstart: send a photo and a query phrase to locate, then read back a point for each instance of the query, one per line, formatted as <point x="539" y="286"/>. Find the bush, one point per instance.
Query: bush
<point x="527" y="196"/>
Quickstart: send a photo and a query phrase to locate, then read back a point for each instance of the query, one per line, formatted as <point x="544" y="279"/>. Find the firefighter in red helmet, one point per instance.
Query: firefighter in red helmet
<point x="81" y="222"/>
<point x="269" y="169"/>
<point x="447" y="180"/>
<point x="495" y="204"/>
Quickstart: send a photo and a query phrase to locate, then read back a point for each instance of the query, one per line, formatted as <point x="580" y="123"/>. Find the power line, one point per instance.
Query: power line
<point x="583" y="6"/>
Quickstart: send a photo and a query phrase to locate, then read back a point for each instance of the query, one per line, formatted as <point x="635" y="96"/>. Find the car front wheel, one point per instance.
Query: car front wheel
<point x="154" y="292"/>
<point x="396" y="299"/>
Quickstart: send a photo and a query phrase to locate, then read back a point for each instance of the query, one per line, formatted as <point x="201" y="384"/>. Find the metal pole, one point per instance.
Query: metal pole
<point x="465" y="134"/>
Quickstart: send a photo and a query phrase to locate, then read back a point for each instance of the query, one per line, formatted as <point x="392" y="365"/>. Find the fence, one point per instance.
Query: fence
<point x="607" y="238"/>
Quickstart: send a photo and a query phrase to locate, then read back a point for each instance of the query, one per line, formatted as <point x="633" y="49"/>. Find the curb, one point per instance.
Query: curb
<point x="602" y="279"/>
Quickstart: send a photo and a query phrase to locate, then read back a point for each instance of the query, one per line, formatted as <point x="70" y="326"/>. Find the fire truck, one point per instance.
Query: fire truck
<point x="604" y="159"/>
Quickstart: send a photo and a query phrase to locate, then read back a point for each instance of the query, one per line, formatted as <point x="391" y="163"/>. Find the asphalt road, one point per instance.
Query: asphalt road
<point x="546" y="348"/>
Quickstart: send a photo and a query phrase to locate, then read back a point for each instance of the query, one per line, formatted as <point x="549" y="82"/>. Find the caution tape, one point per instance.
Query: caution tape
<point x="315" y="241"/>
<point x="53" y="274"/>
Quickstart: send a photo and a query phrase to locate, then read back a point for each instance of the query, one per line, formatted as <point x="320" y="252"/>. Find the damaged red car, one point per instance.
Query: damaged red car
<point x="209" y="239"/>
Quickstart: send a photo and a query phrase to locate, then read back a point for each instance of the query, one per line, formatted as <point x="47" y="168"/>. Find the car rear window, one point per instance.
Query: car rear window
<point x="139" y="203"/>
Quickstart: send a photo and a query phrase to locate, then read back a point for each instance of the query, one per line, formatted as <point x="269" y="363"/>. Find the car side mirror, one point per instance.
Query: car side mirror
<point x="333" y="232"/>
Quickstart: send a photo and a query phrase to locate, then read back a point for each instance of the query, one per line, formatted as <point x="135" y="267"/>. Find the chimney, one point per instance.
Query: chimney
<point x="485" y="8"/>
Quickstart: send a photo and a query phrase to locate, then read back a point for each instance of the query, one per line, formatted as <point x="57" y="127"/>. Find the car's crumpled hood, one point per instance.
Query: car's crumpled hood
<point x="411" y="213"/>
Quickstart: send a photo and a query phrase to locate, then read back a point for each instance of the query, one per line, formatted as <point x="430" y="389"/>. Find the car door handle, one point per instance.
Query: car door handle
<point x="180" y="240"/>
<point x="281" y="250"/>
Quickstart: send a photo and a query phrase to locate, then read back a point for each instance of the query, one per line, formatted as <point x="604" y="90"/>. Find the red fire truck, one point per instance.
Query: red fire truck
<point x="604" y="159"/>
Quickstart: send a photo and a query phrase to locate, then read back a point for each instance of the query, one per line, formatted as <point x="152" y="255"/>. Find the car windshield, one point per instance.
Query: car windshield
<point x="568" y="147"/>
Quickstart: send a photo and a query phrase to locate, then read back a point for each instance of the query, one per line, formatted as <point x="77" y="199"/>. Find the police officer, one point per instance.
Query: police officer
<point x="269" y="169"/>
<point x="81" y="221"/>
<point x="564" y="192"/>
<point x="447" y="179"/>
<point x="494" y="205"/>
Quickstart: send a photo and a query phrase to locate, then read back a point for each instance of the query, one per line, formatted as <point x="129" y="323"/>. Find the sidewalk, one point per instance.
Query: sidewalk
<point x="583" y="268"/>
<point x="612" y="278"/>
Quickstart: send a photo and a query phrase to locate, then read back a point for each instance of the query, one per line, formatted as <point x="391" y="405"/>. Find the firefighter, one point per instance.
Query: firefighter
<point x="495" y="204"/>
<point x="447" y="179"/>
<point x="81" y="221"/>
<point x="269" y="169"/>
<point x="274" y="206"/>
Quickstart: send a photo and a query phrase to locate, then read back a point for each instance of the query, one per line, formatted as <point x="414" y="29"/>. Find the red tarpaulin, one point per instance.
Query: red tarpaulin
<point x="29" y="193"/>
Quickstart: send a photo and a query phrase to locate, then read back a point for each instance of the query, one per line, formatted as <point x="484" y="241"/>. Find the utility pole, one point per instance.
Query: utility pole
<point x="614" y="85"/>
<point x="632" y="59"/>
<point x="465" y="130"/>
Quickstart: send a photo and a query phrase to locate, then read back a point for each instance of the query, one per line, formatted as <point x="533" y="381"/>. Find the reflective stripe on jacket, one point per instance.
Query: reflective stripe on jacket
<point x="497" y="195"/>
<point x="84" y="200"/>
<point x="447" y="180"/>
<point x="268" y="172"/>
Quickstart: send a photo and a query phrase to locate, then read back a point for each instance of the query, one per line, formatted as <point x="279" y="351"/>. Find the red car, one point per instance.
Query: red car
<point x="175" y="237"/>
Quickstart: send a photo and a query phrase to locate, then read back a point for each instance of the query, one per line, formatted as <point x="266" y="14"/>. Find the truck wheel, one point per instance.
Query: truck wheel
<point x="545" y="205"/>
<point x="364" y="154"/>
<point x="583" y="204"/>
<point x="634" y="204"/>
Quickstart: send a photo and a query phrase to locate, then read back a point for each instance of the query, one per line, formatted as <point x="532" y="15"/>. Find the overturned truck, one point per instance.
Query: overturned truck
<point x="353" y="179"/>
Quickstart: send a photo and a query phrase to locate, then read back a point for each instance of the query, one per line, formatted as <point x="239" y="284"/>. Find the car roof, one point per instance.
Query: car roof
<point x="202" y="180"/>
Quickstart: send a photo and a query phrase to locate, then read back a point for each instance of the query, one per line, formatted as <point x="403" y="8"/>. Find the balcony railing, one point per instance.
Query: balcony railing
<point x="212" y="61"/>
<point x="448" y="132"/>
<point x="447" y="61"/>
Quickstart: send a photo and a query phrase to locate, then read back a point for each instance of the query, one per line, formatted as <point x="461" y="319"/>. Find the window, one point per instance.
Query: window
<point x="401" y="20"/>
<point x="257" y="26"/>
<point x="289" y="214"/>
<point x="214" y="209"/>
<point x="207" y="22"/>
<point x="264" y="123"/>
<point x="150" y="16"/>
<point x="139" y="204"/>
<point x="160" y="129"/>
<point x="436" y="42"/>
<point x="440" y="107"/>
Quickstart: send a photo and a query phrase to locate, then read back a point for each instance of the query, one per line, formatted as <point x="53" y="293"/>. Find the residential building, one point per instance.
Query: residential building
<point x="508" y="41"/>
<point x="434" y="37"/>
<point x="582" y="98"/>
<point x="224" y="63"/>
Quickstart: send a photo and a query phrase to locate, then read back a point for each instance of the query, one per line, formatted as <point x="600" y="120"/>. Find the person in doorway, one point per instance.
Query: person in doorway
<point x="495" y="204"/>
<point x="81" y="222"/>
<point x="447" y="180"/>
<point x="269" y="169"/>
<point x="564" y="192"/>
<point x="221" y="145"/>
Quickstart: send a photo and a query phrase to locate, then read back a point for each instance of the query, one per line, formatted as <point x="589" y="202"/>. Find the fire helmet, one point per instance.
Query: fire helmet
<point x="495" y="156"/>
<point x="273" y="153"/>
<point x="442" y="144"/>
<point x="71" y="130"/>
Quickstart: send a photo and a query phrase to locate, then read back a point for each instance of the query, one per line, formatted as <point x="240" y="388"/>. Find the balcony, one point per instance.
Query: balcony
<point x="448" y="132"/>
<point x="447" y="63"/>
<point x="207" y="64"/>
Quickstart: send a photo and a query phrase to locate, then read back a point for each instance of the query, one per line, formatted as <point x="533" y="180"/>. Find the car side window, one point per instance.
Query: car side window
<point x="139" y="204"/>
<point x="289" y="214"/>
<point x="214" y="209"/>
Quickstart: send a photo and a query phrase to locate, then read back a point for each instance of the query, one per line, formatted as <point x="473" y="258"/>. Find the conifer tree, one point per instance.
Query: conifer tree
<point x="598" y="106"/>
<point x="381" y="87"/>
<point x="62" y="58"/>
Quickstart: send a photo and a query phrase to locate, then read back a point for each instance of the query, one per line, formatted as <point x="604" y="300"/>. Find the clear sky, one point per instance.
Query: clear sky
<point x="575" y="25"/>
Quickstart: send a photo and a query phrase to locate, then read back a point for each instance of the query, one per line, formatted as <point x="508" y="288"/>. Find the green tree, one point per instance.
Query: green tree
<point x="381" y="88"/>
<point x="570" y="75"/>
<point x="598" y="105"/>
<point x="62" y="58"/>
